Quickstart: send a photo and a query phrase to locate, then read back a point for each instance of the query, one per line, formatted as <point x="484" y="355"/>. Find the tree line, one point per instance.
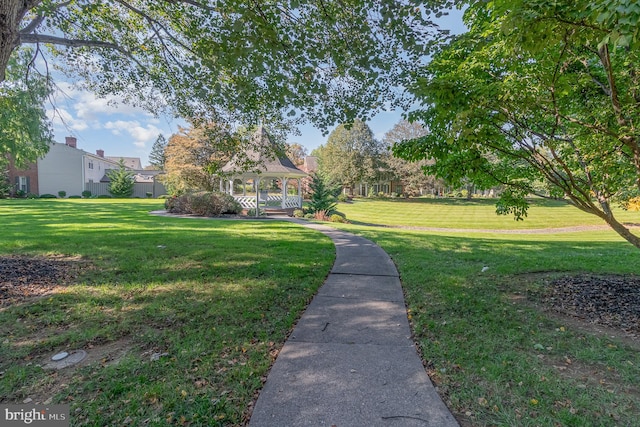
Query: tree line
<point x="192" y="159"/>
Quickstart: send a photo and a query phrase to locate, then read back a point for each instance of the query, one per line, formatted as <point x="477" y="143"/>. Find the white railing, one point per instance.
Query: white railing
<point x="271" y="201"/>
<point x="293" y="202"/>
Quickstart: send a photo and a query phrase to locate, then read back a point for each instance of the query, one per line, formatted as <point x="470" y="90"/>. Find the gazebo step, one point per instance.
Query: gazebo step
<point x="278" y="211"/>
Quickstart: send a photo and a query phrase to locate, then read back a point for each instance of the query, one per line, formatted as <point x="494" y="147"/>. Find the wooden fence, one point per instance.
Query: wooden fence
<point x="140" y="189"/>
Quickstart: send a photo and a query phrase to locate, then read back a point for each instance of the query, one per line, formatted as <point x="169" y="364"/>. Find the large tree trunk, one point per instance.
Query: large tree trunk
<point x="9" y="21"/>
<point x="11" y="14"/>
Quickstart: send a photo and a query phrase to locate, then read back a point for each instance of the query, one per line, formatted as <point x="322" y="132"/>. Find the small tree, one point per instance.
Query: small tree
<point x="323" y="195"/>
<point x="5" y="185"/>
<point x="121" y="181"/>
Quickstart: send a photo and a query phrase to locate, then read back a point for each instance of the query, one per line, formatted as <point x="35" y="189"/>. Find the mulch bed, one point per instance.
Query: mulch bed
<point x="24" y="277"/>
<point x="612" y="301"/>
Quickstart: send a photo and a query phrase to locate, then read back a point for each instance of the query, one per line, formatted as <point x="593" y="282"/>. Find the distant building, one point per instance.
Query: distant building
<point x="67" y="168"/>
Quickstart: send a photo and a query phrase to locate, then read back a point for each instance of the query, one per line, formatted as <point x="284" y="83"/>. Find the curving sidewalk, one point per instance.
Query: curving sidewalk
<point x="350" y="361"/>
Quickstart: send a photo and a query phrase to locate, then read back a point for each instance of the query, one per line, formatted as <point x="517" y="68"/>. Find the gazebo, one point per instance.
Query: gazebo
<point x="260" y="163"/>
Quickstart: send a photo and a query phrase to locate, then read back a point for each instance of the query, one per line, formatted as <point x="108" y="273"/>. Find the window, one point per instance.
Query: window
<point x="90" y="164"/>
<point x="22" y="184"/>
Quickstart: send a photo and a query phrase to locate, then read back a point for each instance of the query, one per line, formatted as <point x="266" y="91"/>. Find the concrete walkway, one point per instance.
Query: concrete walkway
<point x="350" y="360"/>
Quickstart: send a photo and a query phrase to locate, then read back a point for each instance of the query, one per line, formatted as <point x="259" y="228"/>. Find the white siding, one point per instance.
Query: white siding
<point x="95" y="173"/>
<point x="61" y="170"/>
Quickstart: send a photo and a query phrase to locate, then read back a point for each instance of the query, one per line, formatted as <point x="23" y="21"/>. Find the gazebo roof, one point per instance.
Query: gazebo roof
<point x="263" y="154"/>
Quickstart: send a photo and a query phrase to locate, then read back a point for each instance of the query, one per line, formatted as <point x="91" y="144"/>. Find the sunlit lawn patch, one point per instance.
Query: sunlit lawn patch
<point x="496" y="353"/>
<point x="469" y="214"/>
<point x="183" y="316"/>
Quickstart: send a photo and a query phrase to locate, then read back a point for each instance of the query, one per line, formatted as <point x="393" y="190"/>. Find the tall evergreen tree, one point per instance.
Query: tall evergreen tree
<point x="157" y="156"/>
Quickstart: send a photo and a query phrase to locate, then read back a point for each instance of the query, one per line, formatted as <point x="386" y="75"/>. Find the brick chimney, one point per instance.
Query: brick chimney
<point x="100" y="153"/>
<point x="71" y="141"/>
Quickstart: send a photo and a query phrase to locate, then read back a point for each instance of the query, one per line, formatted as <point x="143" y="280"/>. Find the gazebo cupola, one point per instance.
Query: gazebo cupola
<point x="263" y="161"/>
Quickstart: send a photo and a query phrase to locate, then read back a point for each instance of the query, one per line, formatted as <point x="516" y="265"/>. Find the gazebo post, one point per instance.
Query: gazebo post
<point x="256" y="182"/>
<point x="283" y="204"/>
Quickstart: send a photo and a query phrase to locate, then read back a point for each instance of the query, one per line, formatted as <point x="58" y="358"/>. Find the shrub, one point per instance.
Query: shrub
<point x="203" y="204"/>
<point x="148" y="194"/>
<point x="75" y="197"/>
<point x="62" y="194"/>
<point x="338" y="218"/>
<point x="31" y="196"/>
<point x="104" y="196"/>
<point x="298" y="213"/>
<point x="252" y="212"/>
<point x="170" y="204"/>
<point x="20" y="193"/>
<point x="633" y="204"/>
<point x="343" y="198"/>
<point x="5" y="185"/>
<point x="48" y="196"/>
<point x="309" y="215"/>
<point x="86" y="194"/>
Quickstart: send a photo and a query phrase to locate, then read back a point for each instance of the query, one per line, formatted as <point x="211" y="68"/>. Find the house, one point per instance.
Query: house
<point x="132" y="163"/>
<point x="67" y="168"/>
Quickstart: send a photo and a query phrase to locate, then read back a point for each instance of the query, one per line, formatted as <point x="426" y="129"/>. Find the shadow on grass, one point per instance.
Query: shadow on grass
<point x="216" y="297"/>
<point x="497" y="356"/>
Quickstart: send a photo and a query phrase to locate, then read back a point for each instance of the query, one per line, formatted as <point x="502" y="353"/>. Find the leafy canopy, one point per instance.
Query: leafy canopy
<point x="536" y="96"/>
<point x="25" y="133"/>
<point x="220" y="60"/>
<point x="351" y="155"/>
<point x="195" y="156"/>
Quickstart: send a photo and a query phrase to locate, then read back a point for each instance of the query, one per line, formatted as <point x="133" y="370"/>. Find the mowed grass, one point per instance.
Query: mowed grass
<point x="498" y="356"/>
<point x="470" y="214"/>
<point x="216" y="299"/>
<point x="212" y="299"/>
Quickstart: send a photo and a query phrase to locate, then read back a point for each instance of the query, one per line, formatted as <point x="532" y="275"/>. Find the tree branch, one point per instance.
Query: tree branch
<point x="35" y="23"/>
<point x="153" y="22"/>
<point x="45" y="38"/>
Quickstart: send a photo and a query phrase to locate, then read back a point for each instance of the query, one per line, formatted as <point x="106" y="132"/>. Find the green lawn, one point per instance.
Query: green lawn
<point x="218" y="298"/>
<point x="498" y="357"/>
<point x="471" y="214"/>
<point x="215" y="298"/>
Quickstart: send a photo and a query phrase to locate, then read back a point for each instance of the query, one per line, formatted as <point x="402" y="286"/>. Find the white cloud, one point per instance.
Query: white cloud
<point x="141" y="134"/>
<point x="62" y="118"/>
<point x="88" y="106"/>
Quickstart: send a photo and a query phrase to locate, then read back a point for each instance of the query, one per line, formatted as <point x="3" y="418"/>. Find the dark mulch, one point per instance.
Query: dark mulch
<point x="24" y="277"/>
<point x="612" y="301"/>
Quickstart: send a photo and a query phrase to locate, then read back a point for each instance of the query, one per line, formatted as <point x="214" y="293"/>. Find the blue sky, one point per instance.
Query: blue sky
<point x="123" y="130"/>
